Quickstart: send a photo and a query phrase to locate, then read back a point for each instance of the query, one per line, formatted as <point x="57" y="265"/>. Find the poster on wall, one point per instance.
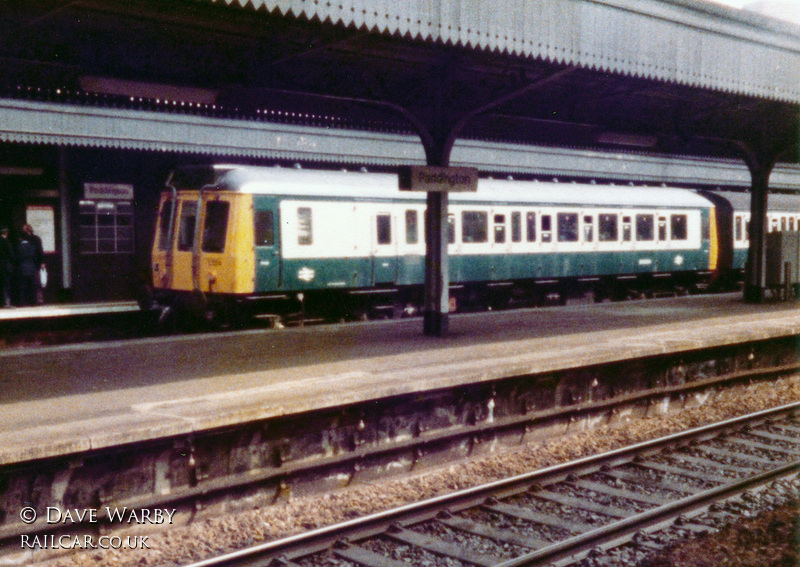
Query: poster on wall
<point x="43" y="220"/>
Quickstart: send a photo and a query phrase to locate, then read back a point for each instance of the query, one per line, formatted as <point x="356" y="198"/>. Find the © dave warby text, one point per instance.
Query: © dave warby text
<point x="53" y="515"/>
<point x="121" y="515"/>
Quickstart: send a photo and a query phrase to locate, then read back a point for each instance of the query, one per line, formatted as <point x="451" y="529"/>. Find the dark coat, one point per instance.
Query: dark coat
<point x="7" y="256"/>
<point x="29" y="255"/>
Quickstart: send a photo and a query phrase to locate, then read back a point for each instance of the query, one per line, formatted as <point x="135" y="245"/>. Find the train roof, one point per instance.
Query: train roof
<point x="777" y="202"/>
<point x="356" y="185"/>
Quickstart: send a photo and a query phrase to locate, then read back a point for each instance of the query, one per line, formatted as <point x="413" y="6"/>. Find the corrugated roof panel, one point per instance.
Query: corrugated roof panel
<point x="28" y="122"/>
<point x="413" y="19"/>
<point x="700" y="43"/>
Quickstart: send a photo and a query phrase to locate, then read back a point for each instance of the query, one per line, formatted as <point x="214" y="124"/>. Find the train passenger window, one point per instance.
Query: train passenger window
<point x="516" y="226"/>
<point x="627" y="229"/>
<point x="384" y="229"/>
<point x="738" y="233"/>
<point x="547" y="228"/>
<point x="608" y="228"/>
<point x="304" y="228"/>
<point x="412" y="227"/>
<point x="264" y="222"/>
<point x="163" y="224"/>
<point x="530" y="222"/>
<point x="588" y="229"/>
<point x="186" y="227"/>
<point x="791" y="223"/>
<point x="499" y="229"/>
<point x="451" y="229"/>
<point x="747" y="230"/>
<point x="679" y="227"/>
<point x="216" y="227"/>
<point x="662" y="228"/>
<point x="783" y="223"/>
<point x="644" y="227"/>
<point x="567" y="227"/>
<point x="474" y="226"/>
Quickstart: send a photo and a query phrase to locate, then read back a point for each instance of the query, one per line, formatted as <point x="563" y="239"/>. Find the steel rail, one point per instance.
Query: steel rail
<point x="287" y="473"/>
<point x="632" y="525"/>
<point x="317" y="540"/>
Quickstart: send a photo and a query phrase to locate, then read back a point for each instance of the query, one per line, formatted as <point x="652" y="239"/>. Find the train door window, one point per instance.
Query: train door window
<point x="264" y="228"/>
<point x="384" y="229"/>
<point x="737" y="229"/>
<point x="530" y="227"/>
<point x="608" y="228"/>
<point x="567" y="227"/>
<point x="662" y="229"/>
<point x="547" y="228"/>
<point x="627" y="229"/>
<point x="216" y="226"/>
<point x="474" y="226"/>
<point x="783" y="223"/>
<point x="186" y="226"/>
<point x="164" y="218"/>
<point x="499" y="229"/>
<point x="304" y="227"/>
<point x="791" y="223"/>
<point x="773" y="225"/>
<point x="679" y="227"/>
<point x="516" y="226"/>
<point x="106" y="227"/>
<point x="451" y="229"/>
<point x="747" y="230"/>
<point x="412" y="227"/>
<point x="588" y="229"/>
<point x="644" y="228"/>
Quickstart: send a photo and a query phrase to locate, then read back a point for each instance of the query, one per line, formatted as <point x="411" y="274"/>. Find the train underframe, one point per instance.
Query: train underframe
<point x="197" y="309"/>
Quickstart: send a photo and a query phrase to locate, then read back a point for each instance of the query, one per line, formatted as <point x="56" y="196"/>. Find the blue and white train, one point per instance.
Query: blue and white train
<point x="237" y="240"/>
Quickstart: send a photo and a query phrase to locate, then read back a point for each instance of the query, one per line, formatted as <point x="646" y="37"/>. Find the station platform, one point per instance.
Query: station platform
<point x="68" y="399"/>
<point x="48" y="311"/>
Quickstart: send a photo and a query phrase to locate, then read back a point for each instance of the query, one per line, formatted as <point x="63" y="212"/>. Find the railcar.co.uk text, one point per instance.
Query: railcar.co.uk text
<point x="119" y="515"/>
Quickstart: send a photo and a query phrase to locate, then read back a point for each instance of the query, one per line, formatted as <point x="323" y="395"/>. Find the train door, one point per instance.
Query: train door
<point x="384" y="249"/>
<point x="162" y="255"/>
<point x="182" y="266"/>
<point x="267" y="245"/>
<point x="501" y="246"/>
<point x="589" y="237"/>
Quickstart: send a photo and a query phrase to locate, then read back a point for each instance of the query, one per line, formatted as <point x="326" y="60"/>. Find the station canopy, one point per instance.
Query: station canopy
<point x="672" y="77"/>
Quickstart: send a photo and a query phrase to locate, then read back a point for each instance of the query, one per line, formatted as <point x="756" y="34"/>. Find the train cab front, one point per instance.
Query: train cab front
<point x="201" y="261"/>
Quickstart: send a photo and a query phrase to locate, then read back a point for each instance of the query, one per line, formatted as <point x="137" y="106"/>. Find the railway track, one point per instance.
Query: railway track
<point x="580" y="511"/>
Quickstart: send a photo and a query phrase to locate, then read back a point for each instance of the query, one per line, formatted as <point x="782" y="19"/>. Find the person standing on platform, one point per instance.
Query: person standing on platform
<point x="7" y="262"/>
<point x="30" y="259"/>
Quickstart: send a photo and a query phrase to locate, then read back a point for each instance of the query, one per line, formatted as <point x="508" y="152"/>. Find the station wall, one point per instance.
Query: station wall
<point x="94" y="210"/>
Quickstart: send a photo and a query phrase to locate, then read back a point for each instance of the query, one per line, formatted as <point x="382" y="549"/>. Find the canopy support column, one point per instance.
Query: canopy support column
<point x="760" y="164"/>
<point x="437" y="262"/>
<point x="437" y="267"/>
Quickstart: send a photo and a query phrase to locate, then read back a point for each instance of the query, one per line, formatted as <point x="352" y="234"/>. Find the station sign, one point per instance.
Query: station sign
<point x="116" y="191"/>
<point x="438" y="179"/>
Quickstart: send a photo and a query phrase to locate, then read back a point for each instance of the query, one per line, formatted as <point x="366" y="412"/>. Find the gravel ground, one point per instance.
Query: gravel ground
<point x="771" y="540"/>
<point x="211" y="537"/>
